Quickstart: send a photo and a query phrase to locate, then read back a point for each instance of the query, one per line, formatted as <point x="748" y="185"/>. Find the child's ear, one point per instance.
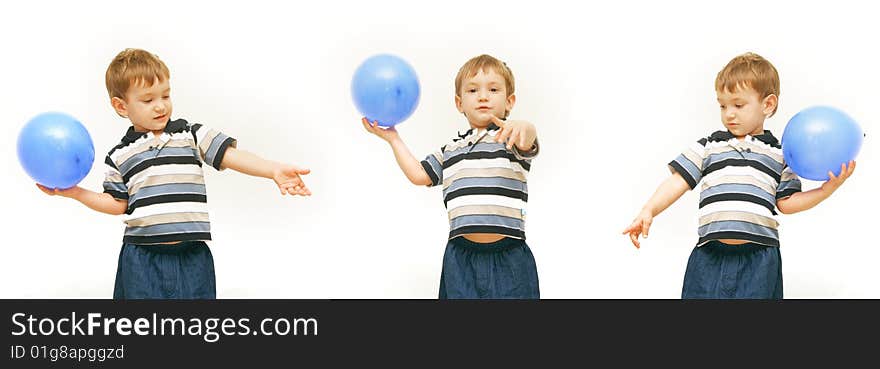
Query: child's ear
<point x="769" y="104"/>
<point x="511" y="100"/>
<point x="458" y="104"/>
<point x="120" y="106"/>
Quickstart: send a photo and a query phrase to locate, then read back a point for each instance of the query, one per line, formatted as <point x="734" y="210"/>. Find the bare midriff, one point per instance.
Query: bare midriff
<point x="483" y="237"/>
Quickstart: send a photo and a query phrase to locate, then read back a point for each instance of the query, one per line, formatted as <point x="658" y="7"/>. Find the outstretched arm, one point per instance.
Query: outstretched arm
<point x="101" y="202"/>
<point x="410" y="166"/>
<point x="801" y="201"/>
<point x="287" y="177"/>
<point x="667" y="193"/>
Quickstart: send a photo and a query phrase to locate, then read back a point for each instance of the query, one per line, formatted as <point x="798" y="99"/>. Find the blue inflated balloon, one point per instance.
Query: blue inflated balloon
<point x="818" y="140"/>
<point x="55" y="150"/>
<point x="385" y="89"/>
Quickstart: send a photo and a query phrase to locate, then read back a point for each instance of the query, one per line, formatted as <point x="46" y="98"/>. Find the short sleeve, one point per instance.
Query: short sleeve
<point x="789" y="183"/>
<point x="114" y="184"/>
<point x="212" y="144"/>
<point x="689" y="164"/>
<point x="433" y="165"/>
<point x="527" y="155"/>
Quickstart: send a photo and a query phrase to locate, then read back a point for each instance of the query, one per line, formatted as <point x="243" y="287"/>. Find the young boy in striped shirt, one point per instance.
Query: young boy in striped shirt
<point x="154" y="177"/>
<point x="483" y="173"/>
<point x="744" y="181"/>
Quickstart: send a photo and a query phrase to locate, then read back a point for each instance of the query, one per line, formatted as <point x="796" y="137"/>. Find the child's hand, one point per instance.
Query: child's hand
<point x="515" y="132"/>
<point x="386" y="134"/>
<point x="69" y="192"/>
<point x="289" y="180"/>
<point x="640" y="225"/>
<point x="834" y="182"/>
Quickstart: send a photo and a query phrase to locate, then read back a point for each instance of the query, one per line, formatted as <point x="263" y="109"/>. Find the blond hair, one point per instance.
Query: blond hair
<point x="749" y="70"/>
<point x="485" y="63"/>
<point x="132" y="66"/>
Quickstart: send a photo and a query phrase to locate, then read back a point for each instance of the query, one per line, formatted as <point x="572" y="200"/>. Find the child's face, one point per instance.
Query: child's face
<point x="482" y="96"/>
<point x="148" y="107"/>
<point x="743" y="111"/>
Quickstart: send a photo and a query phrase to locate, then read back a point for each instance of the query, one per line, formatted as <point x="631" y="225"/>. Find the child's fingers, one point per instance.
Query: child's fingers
<point x="635" y="240"/>
<point x="842" y="176"/>
<point x="522" y="141"/>
<point x="632" y="227"/>
<point x="498" y="135"/>
<point x="295" y="171"/>
<point x="371" y="127"/>
<point x="498" y="122"/>
<point x="47" y="190"/>
<point x="514" y="138"/>
<point x="502" y="135"/>
<point x="849" y="170"/>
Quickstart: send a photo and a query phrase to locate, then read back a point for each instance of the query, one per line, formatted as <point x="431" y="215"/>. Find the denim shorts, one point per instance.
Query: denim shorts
<point x="180" y="271"/>
<point x="720" y="271"/>
<point x="504" y="269"/>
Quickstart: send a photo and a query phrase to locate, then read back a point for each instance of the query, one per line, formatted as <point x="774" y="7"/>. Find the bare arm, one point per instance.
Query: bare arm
<point x="287" y="177"/>
<point x="101" y="202"/>
<point x="805" y="200"/>
<point x="410" y="166"/>
<point x="669" y="191"/>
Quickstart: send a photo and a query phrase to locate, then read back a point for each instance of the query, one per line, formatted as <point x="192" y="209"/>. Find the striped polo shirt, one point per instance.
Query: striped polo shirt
<point x="162" y="180"/>
<point x="484" y="183"/>
<point x="741" y="182"/>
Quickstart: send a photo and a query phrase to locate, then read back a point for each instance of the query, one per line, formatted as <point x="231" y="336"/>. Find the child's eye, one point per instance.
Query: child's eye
<point x="722" y="106"/>
<point x="739" y="105"/>
<point x="148" y="101"/>
<point x="166" y="97"/>
<point x="494" y="90"/>
<point x="472" y="90"/>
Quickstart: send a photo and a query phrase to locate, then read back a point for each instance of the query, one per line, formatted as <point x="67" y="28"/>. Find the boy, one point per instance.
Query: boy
<point x="154" y="177"/>
<point x="744" y="180"/>
<point x="483" y="173"/>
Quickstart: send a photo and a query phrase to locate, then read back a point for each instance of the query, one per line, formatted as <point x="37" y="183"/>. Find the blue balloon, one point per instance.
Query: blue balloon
<point x="55" y="150"/>
<point x="818" y="140"/>
<point x="385" y="89"/>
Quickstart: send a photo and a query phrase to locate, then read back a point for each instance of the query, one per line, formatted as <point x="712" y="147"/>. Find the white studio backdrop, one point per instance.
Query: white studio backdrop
<point x="616" y="91"/>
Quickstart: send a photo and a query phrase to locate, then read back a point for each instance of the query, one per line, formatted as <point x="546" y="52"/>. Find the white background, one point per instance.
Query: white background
<point x="616" y="91"/>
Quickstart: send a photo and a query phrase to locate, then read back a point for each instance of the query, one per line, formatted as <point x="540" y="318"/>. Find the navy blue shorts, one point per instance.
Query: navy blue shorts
<point x="720" y="271"/>
<point x="179" y="271"/>
<point x="504" y="269"/>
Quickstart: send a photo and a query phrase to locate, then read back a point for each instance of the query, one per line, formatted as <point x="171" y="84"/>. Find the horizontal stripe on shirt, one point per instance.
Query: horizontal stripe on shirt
<point x="741" y="182"/>
<point x="484" y="184"/>
<point x="162" y="180"/>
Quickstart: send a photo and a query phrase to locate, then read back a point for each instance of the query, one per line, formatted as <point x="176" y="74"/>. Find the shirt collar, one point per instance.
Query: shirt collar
<point x="766" y="137"/>
<point x="173" y="126"/>
<point x="490" y="127"/>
